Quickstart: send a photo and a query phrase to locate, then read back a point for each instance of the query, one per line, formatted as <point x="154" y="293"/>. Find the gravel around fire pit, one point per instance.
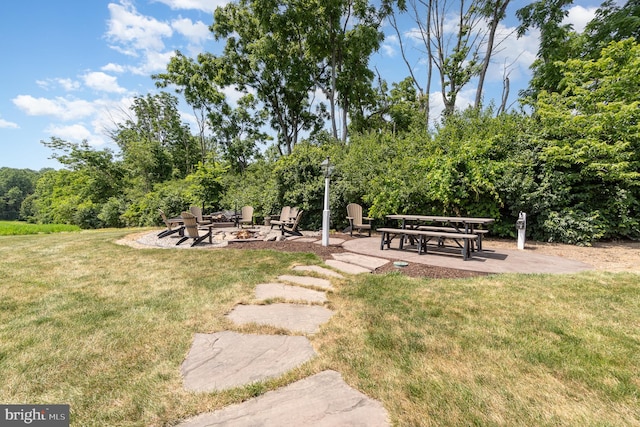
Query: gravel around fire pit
<point x="291" y="245"/>
<point x="623" y="256"/>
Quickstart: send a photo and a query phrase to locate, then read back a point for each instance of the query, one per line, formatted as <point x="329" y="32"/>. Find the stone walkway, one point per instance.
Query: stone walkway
<point x="296" y="303"/>
<point x="229" y="359"/>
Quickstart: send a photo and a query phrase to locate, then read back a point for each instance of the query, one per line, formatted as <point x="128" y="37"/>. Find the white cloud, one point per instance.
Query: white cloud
<point x="75" y="132"/>
<point x="579" y="17"/>
<point x="132" y="32"/>
<point x="114" y="68"/>
<point x="103" y="82"/>
<point x="105" y="113"/>
<point x="153" y="62"/>
<point x="4" y="124"/>
<point x="66" y="84"/>
<point x="389" y="45"/>
<point x="44" y="84"/>
<point x="203" y="5"/>
<point x="65" y="109"/>
<point x="108" y="112"/>
<point x="515" y="54"/>
<point x="233" y="95"/>
<point x="196" y="33"/>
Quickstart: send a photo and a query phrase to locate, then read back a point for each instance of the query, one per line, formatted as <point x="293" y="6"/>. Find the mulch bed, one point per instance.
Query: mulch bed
<point x="325" y="252"/>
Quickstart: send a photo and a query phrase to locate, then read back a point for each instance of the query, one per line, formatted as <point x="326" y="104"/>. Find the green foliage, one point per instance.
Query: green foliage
<point x="86" y="215"/>
<point x="256" y="187"/>
<point x="574" y="227"/>
<point x="171" y="196"/>
<point x="557" y="42"/>
<point x="18" y="228"/>
<point x="266" y="50"/>
<point x="591" y="135"/>
<point x="15" y="186"/>
<point x="205" y="184"/>
<point x="111" y="212"/>
<point x="236" y="131"/>
<point x="155" y="144"/>
<point x="395" y="184"/>
<point x="299" y="181"/>
<point x="612" y="22"/>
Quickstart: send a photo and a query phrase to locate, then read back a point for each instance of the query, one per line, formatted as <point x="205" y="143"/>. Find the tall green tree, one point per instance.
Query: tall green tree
<point x="104" y="174"/>
<point x="76" y="194"/>
<point x="285" y="50"/>
<point x="266" y="51"/>
<point x="612" y="22"/>
<point x="154" y="142"/>
<point x="235" y="133"/>
<point x="196" y="81"/>
<point x="558" y="43"/>
<point x="15" y="186"/>
<point x="346" y="34"/>
<point x="591" y="134"/>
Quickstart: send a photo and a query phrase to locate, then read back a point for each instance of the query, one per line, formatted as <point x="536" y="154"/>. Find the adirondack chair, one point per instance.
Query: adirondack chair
<point x="354" y="215"/>
<point x="246" y="216"/>
<point x="197" y="212"/>
<point x="292" y="228"/>
<point x="284" y="218"/>
<point x="191" y="228"/>
<point x="172" y="226"/>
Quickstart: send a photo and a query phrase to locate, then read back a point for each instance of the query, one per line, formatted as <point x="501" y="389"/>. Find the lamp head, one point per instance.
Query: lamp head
<point x="327" y="167"/>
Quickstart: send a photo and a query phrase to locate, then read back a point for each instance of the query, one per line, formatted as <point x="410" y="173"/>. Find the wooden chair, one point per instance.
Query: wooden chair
<point x="172" y="226"/>
<point x="191" y="227"/>
<point x="354" y="215"/>
<point x="197" y="212"/>
<point x="284" y="218"/>
<point x="246" y="216"/>
<point x="292" y="228"/>
<point x="293" y="213"/>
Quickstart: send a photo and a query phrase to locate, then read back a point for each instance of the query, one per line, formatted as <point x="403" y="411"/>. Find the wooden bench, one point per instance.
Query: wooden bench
<point x="424" y="236"/>
<point x="480" y="233"/>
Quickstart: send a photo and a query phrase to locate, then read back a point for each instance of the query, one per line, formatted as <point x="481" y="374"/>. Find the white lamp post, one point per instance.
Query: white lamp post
<point x="326" y="213"/>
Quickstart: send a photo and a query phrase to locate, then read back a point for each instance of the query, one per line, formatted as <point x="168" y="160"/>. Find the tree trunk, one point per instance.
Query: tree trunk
<point x="497" y="13"/>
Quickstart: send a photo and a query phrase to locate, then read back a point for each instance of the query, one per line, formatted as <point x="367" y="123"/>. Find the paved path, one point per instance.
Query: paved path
<point x="488" y="260"/>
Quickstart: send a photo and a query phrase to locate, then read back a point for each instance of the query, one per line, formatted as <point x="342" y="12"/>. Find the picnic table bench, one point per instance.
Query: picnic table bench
<point x="424" y="236"/>
<point x="459" y="229"/>
<point x="477" y="232"/>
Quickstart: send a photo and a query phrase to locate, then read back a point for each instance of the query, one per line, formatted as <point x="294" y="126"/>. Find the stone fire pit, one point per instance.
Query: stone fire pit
<point x="247" y="235"/>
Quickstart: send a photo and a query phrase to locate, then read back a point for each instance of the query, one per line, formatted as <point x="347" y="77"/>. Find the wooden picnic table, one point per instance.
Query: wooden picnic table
<point x="450" y="227"/>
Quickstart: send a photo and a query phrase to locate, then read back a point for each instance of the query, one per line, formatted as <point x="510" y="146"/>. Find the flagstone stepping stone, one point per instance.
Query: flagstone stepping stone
<point x="323" y="399"/>
<point x="228" y="359"/>
<point x="294" y="317"/>
<point x="365" y="261"/>
<point x="346" y="267"/>
<point x="307" y="281"/>
<point x="319" y="270"/>
<point x="266" y="291"/>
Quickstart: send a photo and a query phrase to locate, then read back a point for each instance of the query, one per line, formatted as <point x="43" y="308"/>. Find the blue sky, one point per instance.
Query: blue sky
<point x="71" y="67"/>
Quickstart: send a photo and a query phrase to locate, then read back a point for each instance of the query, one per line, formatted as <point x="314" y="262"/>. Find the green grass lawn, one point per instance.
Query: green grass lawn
<point x="16" y="228"/>
<point x="105" y="328"/>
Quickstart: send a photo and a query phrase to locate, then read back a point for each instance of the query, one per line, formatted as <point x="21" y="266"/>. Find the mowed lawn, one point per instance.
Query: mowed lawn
<point x="105" y="327"/>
